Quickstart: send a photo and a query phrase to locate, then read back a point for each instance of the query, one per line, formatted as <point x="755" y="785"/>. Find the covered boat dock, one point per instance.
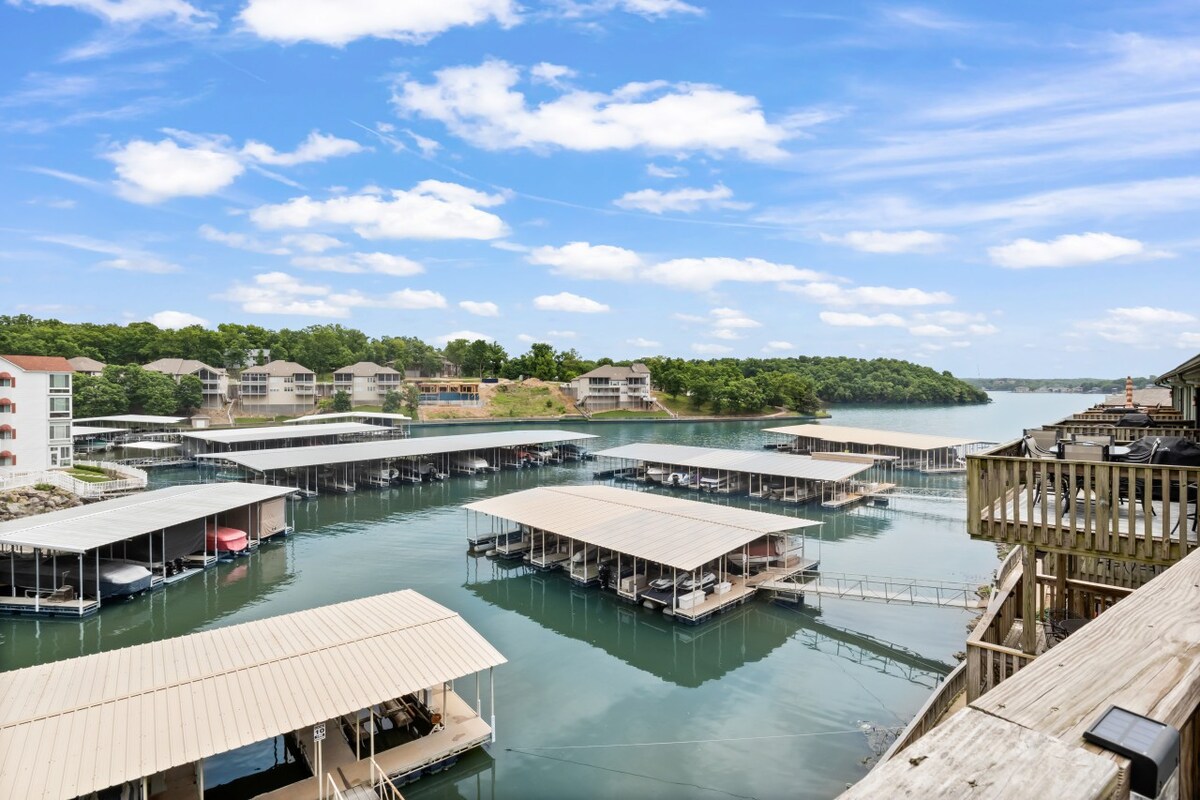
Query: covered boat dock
<point x="368" y="417"/>
<point x="361" y="694"/>
<point x="706" y="558"/>
<point x="340" y="468"/>
<point x="137" y="423"/>
<point x="67" y="562"/>
<point x="773" y="476"/>
<point x="236" y="440"/>
<point x="916" y="451"/>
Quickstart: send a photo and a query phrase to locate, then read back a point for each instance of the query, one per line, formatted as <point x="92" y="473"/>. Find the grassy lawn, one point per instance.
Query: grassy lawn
<point x="625" y="413"/>
<point x="260" y="420"/>
<point x="87" y="475"/>
<point x="684" y="408"/>
<point x="525" y="401"/>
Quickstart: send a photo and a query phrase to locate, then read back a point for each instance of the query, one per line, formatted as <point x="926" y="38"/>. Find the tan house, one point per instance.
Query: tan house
<point x="367" y="382"/>
<point x="214" y="381"/>
<point x="86" y="366"/>
<point x="277" y="388"/>
<point x="611" y="387"/>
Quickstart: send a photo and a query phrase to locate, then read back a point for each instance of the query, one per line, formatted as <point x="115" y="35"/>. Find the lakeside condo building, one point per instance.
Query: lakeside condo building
<point x="214" y="382"/>
<point x="35" y="413"/>
<point x="279" y="387"/>
<point x="612" y="387"/>
<point x="367" y="383"/>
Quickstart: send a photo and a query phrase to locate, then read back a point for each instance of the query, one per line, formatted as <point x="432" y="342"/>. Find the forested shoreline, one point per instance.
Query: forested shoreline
<point x="800" y="383"/>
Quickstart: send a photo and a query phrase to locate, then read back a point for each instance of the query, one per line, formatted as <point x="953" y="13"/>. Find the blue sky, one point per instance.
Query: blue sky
<point x="995" y="190"/>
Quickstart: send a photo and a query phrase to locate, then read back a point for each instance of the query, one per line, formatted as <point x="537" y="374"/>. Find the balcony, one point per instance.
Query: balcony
<point x="1134" y="512"/>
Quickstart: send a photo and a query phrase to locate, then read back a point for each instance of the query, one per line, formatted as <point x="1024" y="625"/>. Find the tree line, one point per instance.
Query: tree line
<point x="801" y="383"/>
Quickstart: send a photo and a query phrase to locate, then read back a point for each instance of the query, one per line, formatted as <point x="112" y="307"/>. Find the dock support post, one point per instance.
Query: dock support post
<point x="1029" y="590"/>
<point x="492" y="697"/>
<point x="200" y="779"/>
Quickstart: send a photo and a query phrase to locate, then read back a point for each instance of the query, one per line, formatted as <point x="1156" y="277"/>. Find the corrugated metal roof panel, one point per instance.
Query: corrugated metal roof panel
<point x="347" y="415"/>
<point x="758" y="463"/>
<point x="684" y="534"/>
<point x="283" y="457"/>
<point x="77" y="530"/>
<point x="870" y="436"/>
<point x="150" y="708"/>
<point x="145" y="419"/>
<point x="267" y="434"/>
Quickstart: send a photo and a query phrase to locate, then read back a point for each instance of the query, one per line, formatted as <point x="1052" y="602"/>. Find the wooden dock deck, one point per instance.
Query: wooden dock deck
<point x="78" y="607"/>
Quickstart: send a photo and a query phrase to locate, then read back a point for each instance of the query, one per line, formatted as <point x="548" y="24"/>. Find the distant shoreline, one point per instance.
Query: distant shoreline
<point x="573" y="420"/>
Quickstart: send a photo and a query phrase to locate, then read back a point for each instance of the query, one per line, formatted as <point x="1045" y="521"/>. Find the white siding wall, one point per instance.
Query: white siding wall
<point x="32" y="421"/>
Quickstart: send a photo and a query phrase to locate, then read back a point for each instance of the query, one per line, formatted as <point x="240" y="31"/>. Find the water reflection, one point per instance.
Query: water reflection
<point x="683" y="655"/>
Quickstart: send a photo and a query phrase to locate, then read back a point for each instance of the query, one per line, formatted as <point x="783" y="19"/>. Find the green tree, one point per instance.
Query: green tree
<point x="392" y="402"/>
<point x="189" y="394"/>
<point x="97" y="396"/>
<point x="341" y="402"/>
<point x="412" y="400"/>
<point x="456" y="352"/>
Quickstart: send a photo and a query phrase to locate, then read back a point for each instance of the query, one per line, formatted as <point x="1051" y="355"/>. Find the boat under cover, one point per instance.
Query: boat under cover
<point x="117" y="578"/>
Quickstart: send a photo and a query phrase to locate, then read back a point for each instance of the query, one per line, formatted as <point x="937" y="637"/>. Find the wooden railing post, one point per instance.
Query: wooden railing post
<point x="1029" y="595"/>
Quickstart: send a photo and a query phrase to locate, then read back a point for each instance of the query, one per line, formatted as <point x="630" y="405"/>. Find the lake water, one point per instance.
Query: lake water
<point x="762" y="702"/>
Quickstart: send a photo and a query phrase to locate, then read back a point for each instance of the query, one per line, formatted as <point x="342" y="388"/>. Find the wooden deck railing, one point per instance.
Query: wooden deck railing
<point x="1066" y="428"/>
<point x="940" y="701"/>
<point x="1137" y="512"/>
<point x="989" y="662"/>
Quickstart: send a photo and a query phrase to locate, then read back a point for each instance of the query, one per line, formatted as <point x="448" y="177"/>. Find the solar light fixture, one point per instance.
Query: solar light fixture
<point x="1151" y="746"/>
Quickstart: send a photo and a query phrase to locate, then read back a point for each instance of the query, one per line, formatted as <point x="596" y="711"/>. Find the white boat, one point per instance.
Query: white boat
<point x="467" y="464"/>
<point x="704" y="582"/>
<point x="761" y="552"/>
<point x="656" y="474"/>
<point x="682" y="479"/>
<point x="378" y="477"/>
<point x="585" y="554"/>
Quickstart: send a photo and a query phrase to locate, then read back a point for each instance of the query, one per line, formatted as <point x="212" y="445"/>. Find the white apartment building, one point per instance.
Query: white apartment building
<point x="86" y="366"/>
<point x="611" y="387"/>
<point x="214" y="381"/>
<point x="280" y="387"/>
<point x="367" y="383"/>
<point x="35" y="413"/>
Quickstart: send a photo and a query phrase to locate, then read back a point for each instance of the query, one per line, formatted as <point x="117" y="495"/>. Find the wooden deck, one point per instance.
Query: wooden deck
<point x="48" y="608"/>
<point x="464" y="730"/>
<point x="714" y="603"/>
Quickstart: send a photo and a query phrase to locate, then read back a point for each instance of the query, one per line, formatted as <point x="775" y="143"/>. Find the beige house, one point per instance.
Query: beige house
<point x="277" y="388"/>
<point x="214" y="381"/>
<point x="611" y="387"/>
<point x="86" y="366"/>
<point x="367" y="382"/>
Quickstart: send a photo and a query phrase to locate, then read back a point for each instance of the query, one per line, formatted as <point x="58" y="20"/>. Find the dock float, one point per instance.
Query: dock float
<point x="690" y="558"/>
<point x="361" y="691"/>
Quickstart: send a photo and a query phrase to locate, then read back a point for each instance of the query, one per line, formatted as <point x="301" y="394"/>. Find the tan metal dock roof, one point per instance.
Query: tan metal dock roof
<point x="280" y="432"/>
<point x="684" y="534"/>
<point x="77" y="530"/>
<point x="348" y="415"/>
<point x="870" y="436"/>
<point x="137" y="419"/>
<point x="284" y="457"/>
<point x="76" y="726"/>
<point x="758" y="463"/>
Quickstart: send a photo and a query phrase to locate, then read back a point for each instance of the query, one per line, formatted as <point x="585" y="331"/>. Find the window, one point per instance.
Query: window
<point x="6" y="383"/>
<point x="59" y="431"/>
<point x="7" y="432"/>
<point x="7" y="406"/>
<point x="60" y="407"/>
<point x="60" y="382"/>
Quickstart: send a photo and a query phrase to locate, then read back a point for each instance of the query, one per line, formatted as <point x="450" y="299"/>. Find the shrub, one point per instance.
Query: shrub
<point x="45" y="487"/>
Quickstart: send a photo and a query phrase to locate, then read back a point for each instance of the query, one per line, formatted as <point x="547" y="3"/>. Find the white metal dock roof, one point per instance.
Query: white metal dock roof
<point x="73" y="727"/>
<point x="77" y="530"/>
<point x="150" y="446"/>
<point x="284" y="457"/>
<point x="279" y="432"/>
<point x="684" y="534"/>
<point x="91" y="430"/>
<point x="348" y="415"/>
<point x="759" y="463"/>
<point x="870" y="436"/>
<point x="137" y="419"/>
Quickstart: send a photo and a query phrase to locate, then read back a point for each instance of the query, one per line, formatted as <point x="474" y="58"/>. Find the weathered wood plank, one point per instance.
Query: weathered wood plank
<point x="978" y="756"/>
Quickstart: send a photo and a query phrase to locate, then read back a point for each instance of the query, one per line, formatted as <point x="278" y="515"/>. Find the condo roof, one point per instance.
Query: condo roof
<point x="73" y="727"/>
<point x="283" y="457"/>
<point x="682" y="534"/>
<point x="40" y="363"/>
<point x="78" y="530"/>
<point x="180" y="366"/>
<point x="871" y="437"/>
<point x="85" y="364"/>
<point x="283" y="368"/>
<point x="759" y="463"/>
<point x="279" y="432"/>
<point x="366" y="368"/>
<point x="613" y="371"/>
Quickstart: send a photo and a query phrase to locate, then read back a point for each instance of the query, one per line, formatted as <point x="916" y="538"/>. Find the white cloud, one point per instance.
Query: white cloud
<point x="150" y="172"/>
<point x="338" y="22"/>
<point x="834" y="294"/>
<point x="430" y="210"/>
<point x="702" y="274"/>
<point x="480" y="309"/>
<point x="732" y="318"/>
<point x="1139" y="326"/>
<point x="688" y="317"/>
<point x="982" y="330"/>
<point x="1070" y="250"/>
<point x="351" y="263"/>
<point x="280" y="293"/>
<point x="317" y="147"/>
<point x="659" y="8"/>
<point x="125" y="258"/>
<point x="561" y="334"/>
<point x="639" y="341"/>
<point x="565" y="301"/>
<point x="687" y="199"/>
<point x="655" y="171"/>
<point x="173" y="320"/>
<point x="312" y="242"/>
<point x="587" y="261"/>
<point x="135" y="12"/>
<point x="550" y="74"/>
<point x="890" y="241"/>
<point x="1188" y="339"/>
<point x="526" y="338"/>
<point x="776" y="346"/>
<point x="470" y="336"/>
<point x="510" y="247"/>
<point x="480" y="104"/>
<point x="931" y="330"/>
<point x="852" y="320"/>
<point x="241" y="241"/>
<point x="710" y="349"/>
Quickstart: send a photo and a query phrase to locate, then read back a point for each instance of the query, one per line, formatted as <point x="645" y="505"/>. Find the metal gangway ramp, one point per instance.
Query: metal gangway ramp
<point x="874" y="588"/>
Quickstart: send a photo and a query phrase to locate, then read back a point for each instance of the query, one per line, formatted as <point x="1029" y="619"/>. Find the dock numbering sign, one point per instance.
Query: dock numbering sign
<point x="319" y="732"/>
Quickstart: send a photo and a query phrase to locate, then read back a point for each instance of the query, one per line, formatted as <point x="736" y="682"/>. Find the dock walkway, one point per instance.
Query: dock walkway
<point x="904" y="591"/>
